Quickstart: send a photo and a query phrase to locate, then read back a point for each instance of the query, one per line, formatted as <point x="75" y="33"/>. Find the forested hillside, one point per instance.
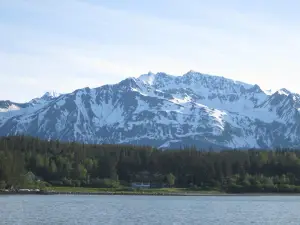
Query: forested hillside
<point x="73" y="164"/>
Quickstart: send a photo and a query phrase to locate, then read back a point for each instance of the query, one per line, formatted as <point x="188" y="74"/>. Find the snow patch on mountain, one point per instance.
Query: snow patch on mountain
<point x="148" y="78"/>
<point x="10" y="108"/>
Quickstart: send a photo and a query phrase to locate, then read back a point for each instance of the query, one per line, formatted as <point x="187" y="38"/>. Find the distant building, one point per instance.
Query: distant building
<point x="140" y="185"/>
<point x="145" y="179"/>
<point x="31" y="177"/>
<point x="157" y="185"/>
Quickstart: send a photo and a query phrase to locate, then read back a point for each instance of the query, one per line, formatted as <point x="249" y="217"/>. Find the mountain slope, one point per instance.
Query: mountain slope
<point x="165" y="111"/>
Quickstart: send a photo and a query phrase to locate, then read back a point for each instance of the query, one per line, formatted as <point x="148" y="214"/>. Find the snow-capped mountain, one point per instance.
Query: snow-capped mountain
<point x="9" y="109"/>
<point x="163" y="111"/>
<point x="48" y="96"/>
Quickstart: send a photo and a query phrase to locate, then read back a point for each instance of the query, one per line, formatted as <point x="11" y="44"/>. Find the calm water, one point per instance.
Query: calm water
<point x="117" y="210"/>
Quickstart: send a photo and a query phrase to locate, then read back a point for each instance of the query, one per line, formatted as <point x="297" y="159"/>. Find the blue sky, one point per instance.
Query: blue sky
<point x="61" y="46"/>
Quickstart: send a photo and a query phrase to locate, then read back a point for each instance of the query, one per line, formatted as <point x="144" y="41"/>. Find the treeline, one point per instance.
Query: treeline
<point x="27" y="161"/>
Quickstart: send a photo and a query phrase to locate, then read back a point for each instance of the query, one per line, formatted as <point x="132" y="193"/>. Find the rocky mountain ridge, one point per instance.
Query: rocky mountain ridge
<point x="163" y="111"/>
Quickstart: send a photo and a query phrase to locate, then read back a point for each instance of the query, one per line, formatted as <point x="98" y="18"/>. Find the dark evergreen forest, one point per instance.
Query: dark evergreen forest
<point x="81" y="165"/>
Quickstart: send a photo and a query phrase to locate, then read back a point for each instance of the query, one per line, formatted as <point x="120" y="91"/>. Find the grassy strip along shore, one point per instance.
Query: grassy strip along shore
<point x="128" y="191"/>
<point x="113" y="191"/>
<point x="136" y="192"/>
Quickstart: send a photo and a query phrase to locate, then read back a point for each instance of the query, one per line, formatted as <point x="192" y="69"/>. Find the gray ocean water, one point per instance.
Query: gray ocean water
<point x="125" y="210"/>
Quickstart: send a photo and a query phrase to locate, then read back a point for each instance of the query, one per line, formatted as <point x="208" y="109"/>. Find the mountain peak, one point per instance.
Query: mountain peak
<point x="284" y="91"/>
<point x="48" y="96"/>
<point x="148" y="78"/>
<point x="192" y="72"/>
<point x="51" y="94"/>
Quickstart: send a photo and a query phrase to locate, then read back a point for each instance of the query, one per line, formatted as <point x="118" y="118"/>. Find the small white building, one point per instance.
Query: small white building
<point x="140" y="185"/>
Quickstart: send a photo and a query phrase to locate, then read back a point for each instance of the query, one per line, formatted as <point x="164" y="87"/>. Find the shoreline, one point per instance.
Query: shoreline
<point x="187" y="194"/>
